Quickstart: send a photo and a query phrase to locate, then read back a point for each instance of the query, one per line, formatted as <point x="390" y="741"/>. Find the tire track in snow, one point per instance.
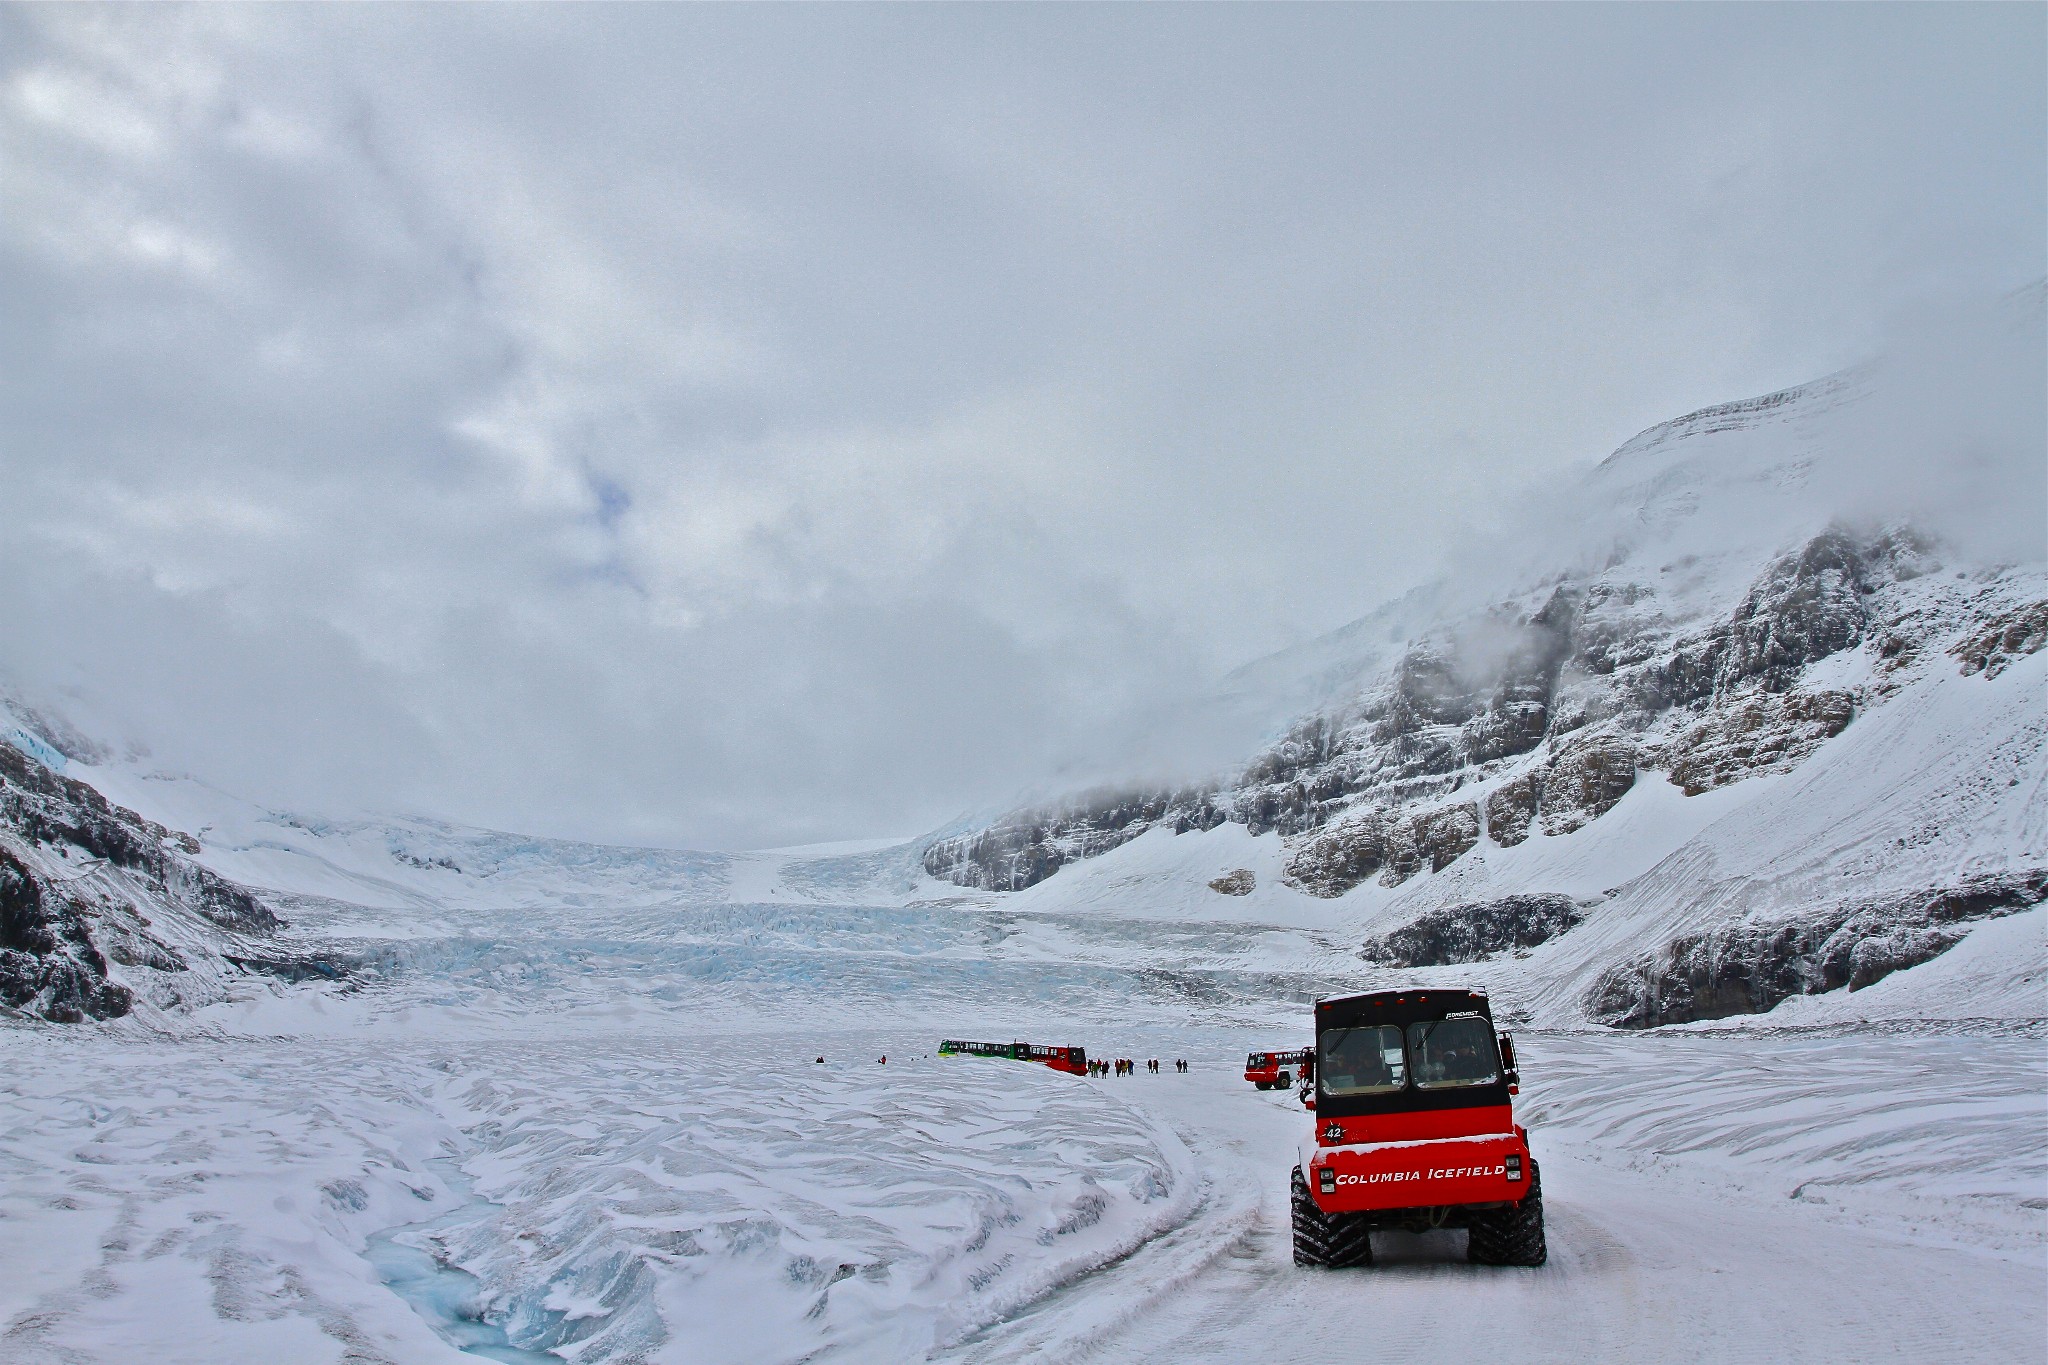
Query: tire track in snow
<point x="1655" y="1253"/>
<point x="1081" y="1320"/>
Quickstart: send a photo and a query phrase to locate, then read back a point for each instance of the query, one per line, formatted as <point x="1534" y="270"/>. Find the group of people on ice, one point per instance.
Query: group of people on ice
<point x="1126" y="1066"/>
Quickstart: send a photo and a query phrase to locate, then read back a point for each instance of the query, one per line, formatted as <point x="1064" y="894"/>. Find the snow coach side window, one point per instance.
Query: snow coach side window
<point x="1362" y="1061"/>
<point x="1452" y="1052"/>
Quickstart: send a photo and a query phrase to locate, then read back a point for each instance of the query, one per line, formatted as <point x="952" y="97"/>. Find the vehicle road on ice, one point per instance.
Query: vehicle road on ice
<point x="1734" y="1198"/>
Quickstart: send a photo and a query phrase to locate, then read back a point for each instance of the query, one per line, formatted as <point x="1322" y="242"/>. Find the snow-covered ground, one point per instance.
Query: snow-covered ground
<point x="702" y="1198"/>
<point x="721" y="1197"/>
<point x="606" y="1137"/>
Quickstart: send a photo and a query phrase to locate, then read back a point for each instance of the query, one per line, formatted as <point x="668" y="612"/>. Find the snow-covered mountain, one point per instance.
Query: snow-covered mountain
<point x="1730" y="722"/>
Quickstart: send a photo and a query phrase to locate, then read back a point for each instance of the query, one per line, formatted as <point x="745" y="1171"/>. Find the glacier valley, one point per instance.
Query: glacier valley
<point x="1734" y="802"/>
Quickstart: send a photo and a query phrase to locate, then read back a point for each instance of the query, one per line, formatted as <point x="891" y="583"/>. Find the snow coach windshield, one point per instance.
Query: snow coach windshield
<point x="1362" y="1061"/>
<point x="1454" y="1051"/>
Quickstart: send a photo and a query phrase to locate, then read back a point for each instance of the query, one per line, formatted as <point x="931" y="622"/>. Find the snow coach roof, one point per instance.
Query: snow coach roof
<point x="1401" y="1006"/>
<point x="1411" y="993"/>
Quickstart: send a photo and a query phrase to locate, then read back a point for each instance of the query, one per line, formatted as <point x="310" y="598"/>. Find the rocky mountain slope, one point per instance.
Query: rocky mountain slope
<point x="91" y="891"/>
<point x="1706" y="615"/>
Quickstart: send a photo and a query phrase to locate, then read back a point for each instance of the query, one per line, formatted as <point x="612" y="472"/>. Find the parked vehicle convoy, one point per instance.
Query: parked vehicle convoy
<point x="1072" y="1060"/>
<point x="1414" y="1129"/>
<point x="1270" y="1070"/>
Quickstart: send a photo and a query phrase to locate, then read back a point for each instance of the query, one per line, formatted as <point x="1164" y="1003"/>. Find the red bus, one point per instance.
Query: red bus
<point x="1415" y="1129"/>
<point x="1269" y="1070"/>
<point x="1072" y="1060"/>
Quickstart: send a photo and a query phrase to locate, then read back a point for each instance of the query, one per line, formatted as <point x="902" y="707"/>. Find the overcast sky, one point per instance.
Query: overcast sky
<point x="732" y="426"/>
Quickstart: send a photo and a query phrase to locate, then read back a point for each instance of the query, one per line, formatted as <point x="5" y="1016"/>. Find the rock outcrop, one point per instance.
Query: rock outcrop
<point x="1582" y="781"/>
<point x="1587" y="778"/>
<point x="2009" y="636"/>
<point x="1331" y="861"/>
<point x="1024" y="849"/>
<point x="1756" y="734"/>
<point x="1554" y="710"/>
<point x="49" y="964"/>
<point x="1551" y="711"/>
<point x="1441" y="837"/>
<point x="1749" y="966"/>
<point x="48" y="808"/>
<point x="1804" y="607"/>
<point x="1474" y="931"/>
<point x="64" y="933"/>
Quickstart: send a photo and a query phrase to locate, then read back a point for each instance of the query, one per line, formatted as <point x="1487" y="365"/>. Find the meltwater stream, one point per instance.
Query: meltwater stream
<point x="448" y="1297"/>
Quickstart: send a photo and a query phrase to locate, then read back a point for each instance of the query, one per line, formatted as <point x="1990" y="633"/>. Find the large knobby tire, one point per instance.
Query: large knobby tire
<point x="1331" y="1240"/>
<point x="1513" y="1236"/>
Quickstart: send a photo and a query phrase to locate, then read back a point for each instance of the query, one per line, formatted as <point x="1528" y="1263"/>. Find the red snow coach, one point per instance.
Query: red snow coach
<point x="1414" y="1129"/>
<point x="1072" y="1060"/>
<point x="1268" y="1070"/>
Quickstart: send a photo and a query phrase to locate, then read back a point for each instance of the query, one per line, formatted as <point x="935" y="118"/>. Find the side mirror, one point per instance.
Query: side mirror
<point x="1509" y="1071"/>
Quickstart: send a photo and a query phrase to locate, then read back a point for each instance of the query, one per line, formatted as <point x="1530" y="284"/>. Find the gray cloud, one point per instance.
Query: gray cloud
<point x="708" y="424"/>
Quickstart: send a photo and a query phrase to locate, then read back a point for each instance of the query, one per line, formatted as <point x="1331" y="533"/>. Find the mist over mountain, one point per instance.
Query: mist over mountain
<point x="1939" y="439"/>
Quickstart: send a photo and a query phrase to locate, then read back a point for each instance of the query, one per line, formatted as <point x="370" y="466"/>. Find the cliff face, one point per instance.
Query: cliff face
<point x="1541" y="718"/>
<point x="1024" y="848"/>
<point x="1598" y="685"/>
<point x="1749" y="966"/>
<point x="96" y="901"/>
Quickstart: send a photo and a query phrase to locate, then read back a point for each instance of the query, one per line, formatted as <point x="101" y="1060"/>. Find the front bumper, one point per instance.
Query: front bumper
<point x="1491" y="1168"/>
